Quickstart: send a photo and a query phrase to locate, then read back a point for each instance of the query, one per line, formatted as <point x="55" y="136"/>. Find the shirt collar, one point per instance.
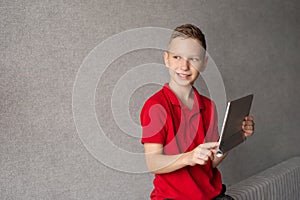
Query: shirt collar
<point x="175" y="101"/>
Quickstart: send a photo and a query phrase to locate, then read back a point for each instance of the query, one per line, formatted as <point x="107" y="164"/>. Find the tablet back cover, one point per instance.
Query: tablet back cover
<point x="232" y="133"/>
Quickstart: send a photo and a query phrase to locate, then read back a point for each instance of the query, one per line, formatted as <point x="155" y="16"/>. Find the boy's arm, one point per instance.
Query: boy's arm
<point x="159" y="163"/>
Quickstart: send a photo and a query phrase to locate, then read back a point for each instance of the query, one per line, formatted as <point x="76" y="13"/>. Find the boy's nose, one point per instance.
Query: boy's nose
<point x="185" y="64"/>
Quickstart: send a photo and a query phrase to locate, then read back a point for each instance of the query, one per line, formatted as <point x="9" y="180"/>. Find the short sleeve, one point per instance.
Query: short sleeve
<point x="153" y="121"/>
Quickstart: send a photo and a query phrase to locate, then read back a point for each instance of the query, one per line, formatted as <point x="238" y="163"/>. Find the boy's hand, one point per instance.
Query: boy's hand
<point x="248" y="126"/>
<point x="201" y="154"/>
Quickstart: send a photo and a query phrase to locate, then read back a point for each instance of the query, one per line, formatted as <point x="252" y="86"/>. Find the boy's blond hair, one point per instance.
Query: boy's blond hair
<point x="189" y="31"/>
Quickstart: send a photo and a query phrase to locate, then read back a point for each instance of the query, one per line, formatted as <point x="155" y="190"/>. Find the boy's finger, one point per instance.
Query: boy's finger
<point x="214" y="151"/>
<point x="249" y="118"/>
<point x="203" y="151"/>
<point x="209" y="145"/>
<point x="248" y="123"/>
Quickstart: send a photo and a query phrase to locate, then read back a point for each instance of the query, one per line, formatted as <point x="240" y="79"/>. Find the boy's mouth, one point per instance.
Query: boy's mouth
<point x="183" y="76"/>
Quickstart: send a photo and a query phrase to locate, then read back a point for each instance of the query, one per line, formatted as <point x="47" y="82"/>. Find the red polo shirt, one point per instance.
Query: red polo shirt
<point x="165" y="120"/>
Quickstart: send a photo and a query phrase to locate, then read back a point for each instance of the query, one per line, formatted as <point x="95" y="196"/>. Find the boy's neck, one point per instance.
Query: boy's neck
<point x="184" y="93"/>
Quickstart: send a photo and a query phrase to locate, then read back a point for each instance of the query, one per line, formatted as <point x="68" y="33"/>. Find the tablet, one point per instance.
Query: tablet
<point x="231" y="133"/>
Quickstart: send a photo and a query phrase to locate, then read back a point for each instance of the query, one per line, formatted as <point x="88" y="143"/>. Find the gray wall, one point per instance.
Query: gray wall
<point x="255" y="45"/>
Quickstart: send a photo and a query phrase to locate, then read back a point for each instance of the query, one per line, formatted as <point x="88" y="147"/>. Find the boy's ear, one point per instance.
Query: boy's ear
<point x="166" y="58"/>
<point x="203" y="67"/>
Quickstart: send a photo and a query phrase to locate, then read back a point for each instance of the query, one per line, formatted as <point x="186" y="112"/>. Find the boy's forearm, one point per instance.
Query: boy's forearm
<point x="160" y="163"/>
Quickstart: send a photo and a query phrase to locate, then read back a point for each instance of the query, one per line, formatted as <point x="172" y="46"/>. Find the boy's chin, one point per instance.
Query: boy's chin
<point x="184" y="83"/>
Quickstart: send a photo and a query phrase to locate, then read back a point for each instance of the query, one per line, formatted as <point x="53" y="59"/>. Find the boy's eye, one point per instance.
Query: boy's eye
<point x="194" y="59"/>
<point x="176" y="57"/>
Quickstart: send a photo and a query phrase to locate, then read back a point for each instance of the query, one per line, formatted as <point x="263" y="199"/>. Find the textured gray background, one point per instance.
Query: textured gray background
<point x="43" y="43"/>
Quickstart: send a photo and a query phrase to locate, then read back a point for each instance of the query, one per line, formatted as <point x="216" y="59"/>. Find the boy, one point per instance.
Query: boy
<point x="180" y="130"/>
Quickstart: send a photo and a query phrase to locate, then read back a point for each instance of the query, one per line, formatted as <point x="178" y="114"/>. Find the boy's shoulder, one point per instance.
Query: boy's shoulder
<point x="206" y="101"/>
<point x="157" y="98"/>
<point x="157" y="103"/>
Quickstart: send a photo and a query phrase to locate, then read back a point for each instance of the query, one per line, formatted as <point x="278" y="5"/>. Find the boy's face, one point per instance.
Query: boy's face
<point x="185" y="60"/>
